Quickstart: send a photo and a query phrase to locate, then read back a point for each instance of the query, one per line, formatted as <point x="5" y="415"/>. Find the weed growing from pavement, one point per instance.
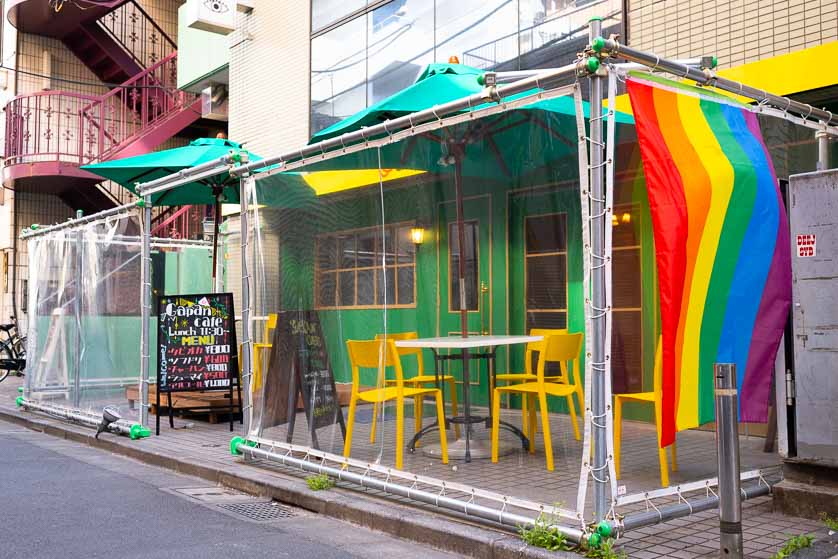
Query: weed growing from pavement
<point x="545" y="534"/>
<point x="320" y="482"/>
<point x="605" y="550"/>
<point x="829" y="522"/>
<point x="794" y="543"/>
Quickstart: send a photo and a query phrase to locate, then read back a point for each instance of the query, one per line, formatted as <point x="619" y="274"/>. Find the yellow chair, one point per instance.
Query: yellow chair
<point x="528" y="375"/>
<point x="653" y="397"/>
<point x="420" y="380"/>
<point x="270" y="326"/>
<point x="379" y="354"/>
<point x="554" y="348"/>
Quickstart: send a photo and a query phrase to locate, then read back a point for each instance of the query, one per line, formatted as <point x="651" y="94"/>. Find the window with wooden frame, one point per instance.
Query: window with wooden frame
<point x="366" y="268"/>
<point x="545" y="269"/>
<point x="627" y="300"/>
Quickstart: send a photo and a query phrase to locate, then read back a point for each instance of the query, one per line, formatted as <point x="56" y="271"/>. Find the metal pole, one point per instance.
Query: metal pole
<point x="686" y="508"/>
<point x="77" y="315"/>
<point x="29" y="233"/>
<point x="458" y="153"/>
<point x="727" y="441"/>
<point x="823" y="149"/>
<point x="470" y="509"/>
<point x="245" y="187"/>
<point x="706" y="77"/>
<point x="145" y="304"/>
<point x="599" y="468"/>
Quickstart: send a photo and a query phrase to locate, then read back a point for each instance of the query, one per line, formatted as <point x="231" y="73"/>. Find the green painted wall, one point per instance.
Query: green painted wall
<point x="500" y="206"/>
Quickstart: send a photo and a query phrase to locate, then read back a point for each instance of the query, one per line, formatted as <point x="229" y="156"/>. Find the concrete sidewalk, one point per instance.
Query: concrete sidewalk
<point x="203" y="451"/>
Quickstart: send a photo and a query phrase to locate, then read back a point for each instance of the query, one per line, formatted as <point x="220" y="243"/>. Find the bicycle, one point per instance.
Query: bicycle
<point x="12" y="351"/>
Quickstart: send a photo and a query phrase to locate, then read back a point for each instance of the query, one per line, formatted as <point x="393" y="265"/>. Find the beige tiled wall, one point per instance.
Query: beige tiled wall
<point x="737" y="31"/>
<point x="269" y="76"/>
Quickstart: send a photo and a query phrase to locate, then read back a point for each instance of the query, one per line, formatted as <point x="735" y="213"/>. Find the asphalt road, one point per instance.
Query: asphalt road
<point x="66" y="500"/>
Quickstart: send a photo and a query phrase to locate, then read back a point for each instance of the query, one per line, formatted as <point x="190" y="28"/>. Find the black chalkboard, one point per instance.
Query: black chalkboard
<point x="196" y="346"/>
<point x="299" y="367"/>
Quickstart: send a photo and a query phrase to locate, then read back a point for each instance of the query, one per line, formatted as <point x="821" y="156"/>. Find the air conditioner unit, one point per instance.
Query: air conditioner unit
<point x="214" y="102"/>
<point x="215" y="16"/>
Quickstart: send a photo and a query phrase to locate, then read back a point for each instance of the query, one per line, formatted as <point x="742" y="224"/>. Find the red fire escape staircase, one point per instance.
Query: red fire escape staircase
<point x="50" y="134"/>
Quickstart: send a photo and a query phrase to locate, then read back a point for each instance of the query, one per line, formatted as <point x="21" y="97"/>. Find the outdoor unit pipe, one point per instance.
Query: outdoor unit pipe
<point x="686" y="508"/>
<point x="469" y="509"/>
<point x="614" y="48"/>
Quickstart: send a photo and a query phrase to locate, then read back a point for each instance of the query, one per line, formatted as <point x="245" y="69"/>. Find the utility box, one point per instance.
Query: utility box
<point x="215" y="16"/>
<point x="810" y="486"/>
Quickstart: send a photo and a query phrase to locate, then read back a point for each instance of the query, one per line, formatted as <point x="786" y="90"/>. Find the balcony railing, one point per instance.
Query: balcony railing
<point x="80" y="129"/>
<point x="140" y="36"/>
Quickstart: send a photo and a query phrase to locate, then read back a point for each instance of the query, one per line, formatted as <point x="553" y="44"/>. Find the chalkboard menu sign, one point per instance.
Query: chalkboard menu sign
<point x="196" y="346"/>
<point x="299" y="368"/>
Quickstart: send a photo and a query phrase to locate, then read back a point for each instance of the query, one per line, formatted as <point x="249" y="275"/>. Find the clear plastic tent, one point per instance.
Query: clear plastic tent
<point x="84" y="310"/>
<point x="359" y="274"/>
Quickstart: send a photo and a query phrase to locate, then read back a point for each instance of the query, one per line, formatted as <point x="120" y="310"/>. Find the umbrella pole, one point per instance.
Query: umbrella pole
<point x="461" y="238"/>
<point x="461" y="276"/>
<point x="217" y="219"/>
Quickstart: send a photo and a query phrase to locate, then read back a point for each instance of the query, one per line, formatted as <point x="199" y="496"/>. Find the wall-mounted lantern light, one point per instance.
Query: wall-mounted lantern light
<point x="417" y="235"/>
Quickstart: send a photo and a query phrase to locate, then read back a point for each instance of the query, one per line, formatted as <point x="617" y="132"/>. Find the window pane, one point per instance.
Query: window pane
<point x="625" y="278"/>
<point x="387" y="247"/>
<point x="326" y="253"/>
<point x="556" y="320"/>
<point x="366" y="248"/>
<point x="388" y="289"/>
<point x="324" y="12"/>
<point x="624" y="226"/>
<point x="327" y="290"/>
<point x="366" y="287"/>
<point x="626" y="351"/>
<point x="546" y="282"/>
<point x="471" y="265"/>
<point x="346" y="249"/>
<point x="405" y="276"/>
<point x="546" y="233"/>
<point x="552" y="29"/>
<point x="481" y="33"/>
<point x="347" y="289"/>
<point x="338" y="74"/>
<point x="401" y="38"/>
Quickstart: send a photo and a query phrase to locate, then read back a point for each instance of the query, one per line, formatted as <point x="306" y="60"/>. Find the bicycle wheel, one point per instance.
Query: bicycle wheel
<point x="5" y="353"/>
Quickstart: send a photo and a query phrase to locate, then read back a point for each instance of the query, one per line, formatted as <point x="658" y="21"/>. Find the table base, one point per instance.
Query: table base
<point x="469" y="446"/>
<point x="481" y="449"/>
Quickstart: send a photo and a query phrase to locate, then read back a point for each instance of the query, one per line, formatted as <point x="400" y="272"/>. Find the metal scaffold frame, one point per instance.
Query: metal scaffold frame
<point x="145" y="242"/>
<point x="597" y="180"/>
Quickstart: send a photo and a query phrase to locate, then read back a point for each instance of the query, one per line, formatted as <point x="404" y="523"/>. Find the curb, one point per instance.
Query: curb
<point x="410" y="523"/>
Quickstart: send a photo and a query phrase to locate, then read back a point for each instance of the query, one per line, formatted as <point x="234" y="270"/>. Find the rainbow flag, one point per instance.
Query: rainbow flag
<point x="721" y="245"/>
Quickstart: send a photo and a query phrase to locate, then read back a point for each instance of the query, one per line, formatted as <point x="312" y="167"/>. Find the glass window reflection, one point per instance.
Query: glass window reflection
<point x="338" y="74"/>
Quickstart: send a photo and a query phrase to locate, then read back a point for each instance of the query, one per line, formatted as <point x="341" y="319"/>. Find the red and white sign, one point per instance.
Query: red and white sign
<point x="806" y="245"/>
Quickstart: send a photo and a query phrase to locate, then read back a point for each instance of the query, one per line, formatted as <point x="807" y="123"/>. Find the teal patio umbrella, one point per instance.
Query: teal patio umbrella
<point x="510" y="145"/>
<point x="215" y="190"/>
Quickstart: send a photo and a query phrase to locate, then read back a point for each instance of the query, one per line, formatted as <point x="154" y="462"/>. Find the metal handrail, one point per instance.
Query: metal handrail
<point x="128" y="31"/>
<point x="81" y="128"/>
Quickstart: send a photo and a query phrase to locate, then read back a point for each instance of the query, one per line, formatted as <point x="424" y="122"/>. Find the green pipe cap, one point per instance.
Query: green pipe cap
<point x="715" y="61"/>
<point x="481" y="80"/>
<point x="595" y="18"/>
<point x="598" y="44"/>
<point x="592" y="64"/>
<point x="139" y="432"/>
<point x="234" y="445"/>
<point x="236" y="156"/>
<point x="141" y="203"/>
<point x="19" y="401"/>
<point x="20" y="390"/>
<point x="604" y="529"/>
<point x="34" y="226"/>
<point x="594" y="540"/>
